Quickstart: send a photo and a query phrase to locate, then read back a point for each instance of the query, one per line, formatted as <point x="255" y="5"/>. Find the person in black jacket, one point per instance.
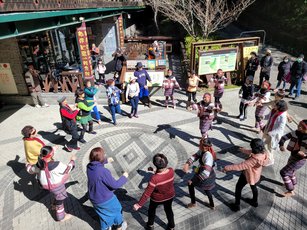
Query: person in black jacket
<point x="69" y="124"/>
<point x="298" y="71"/>
<point x="283" y="70"/>
<point x="266" y="64"/>
<point x="252" y="65"/>
<point x="246" y="94"/>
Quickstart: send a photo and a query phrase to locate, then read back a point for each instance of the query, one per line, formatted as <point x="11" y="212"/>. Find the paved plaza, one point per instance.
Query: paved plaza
<point x="132" y="143"/>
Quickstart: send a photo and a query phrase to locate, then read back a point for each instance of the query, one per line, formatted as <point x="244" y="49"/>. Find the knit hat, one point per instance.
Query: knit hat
<point x="301" y="56"/>
<point x="61" y="99"/>
<point x="250" y="78"/>
<point x="303" y="124"/>
<point x="266" y="85"/>
<point x="139" y="65"/>
<point x="268" y="51"/>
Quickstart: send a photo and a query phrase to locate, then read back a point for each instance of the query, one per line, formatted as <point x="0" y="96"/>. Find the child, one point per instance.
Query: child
<point x="53" y="176"/>
<point x="161" y="191"/>
<point x="298" y="148"/>
<point x="192" y="88"/>
<point x="204" y="176"/>
<point x="113" y="94"/>
<point x="205" y="113"/>
<point x="90" y="93"/>
<point x="84" y="116"/>
<point x="132" y="95"/>
<point x="246" y="93"/>
<point x="219" y="81"/>
<point x="101" y="68"/>
<point x="251" y="171"/>
<point x="32" y="144"/>
<point x="169" y="84"/>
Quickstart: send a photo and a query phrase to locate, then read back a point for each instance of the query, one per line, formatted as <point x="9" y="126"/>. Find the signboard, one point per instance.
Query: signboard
<point x="246" y="53"/>
<point x="84" y="51"/>
<point x="132" y="63"/>
<point x="121" y="32"/>
<point x="147" y="64"/>
<point x="157" y="77"/>
<point x="7" y="82"/>
<point x="211" y="61"/>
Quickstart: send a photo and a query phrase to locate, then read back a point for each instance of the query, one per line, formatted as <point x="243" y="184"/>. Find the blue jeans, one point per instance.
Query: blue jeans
<point x="114" y="109"/>
<point x="134" y="105"/>
<point x="279" y="84"/>
<point x="95" y="113"/>
<point x="298" y="84"/>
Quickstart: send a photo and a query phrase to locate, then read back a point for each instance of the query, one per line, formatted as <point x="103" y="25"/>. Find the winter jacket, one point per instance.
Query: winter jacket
<point x="283" y="70"/>
<point x="298" y="70"/>
<point x="89" y="94"/>
<point x="68" y="117"/>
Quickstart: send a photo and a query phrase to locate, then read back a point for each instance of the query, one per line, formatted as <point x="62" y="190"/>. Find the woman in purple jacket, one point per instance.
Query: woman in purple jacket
<point x="101" y="185"/>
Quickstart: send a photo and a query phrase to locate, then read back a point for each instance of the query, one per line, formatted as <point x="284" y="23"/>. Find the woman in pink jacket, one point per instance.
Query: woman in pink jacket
<point x="251" y="171"/>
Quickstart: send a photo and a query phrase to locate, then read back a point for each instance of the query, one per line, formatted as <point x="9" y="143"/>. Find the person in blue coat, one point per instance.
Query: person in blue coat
<point x="142" y="78"/>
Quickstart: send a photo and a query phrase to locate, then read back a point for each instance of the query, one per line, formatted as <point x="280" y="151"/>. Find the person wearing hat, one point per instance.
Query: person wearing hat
<point x="142" y="78"/>
<point x="252" y="65"/>
<point x="132" y="95"/>
<point x="298" y="72"/>
<point x="169" y="84"/>
<point x="192" y="84"/>
<point x="113" y="94"/>
<point x="298" y="148"/>
<point x="68" y="116"/>
<point x="266" y="63"/>
<point x="283" y="71"/>
<point x="204" y="175"/>
<point x="246" y="93"/>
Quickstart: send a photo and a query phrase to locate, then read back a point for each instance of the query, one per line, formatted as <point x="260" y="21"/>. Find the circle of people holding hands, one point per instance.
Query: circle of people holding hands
<point x="52" y="175"/>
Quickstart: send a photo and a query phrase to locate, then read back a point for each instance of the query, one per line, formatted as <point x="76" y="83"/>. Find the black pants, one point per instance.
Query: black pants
<point x="192" y="95"/>
<point x="84" y="128"/>
<point x="243" y="109"/>
<point x="263" y="75"/>
<point x="101" y="77"/>
<point x="145" y="100"/>
<point x="192" y="195"/>
<point x="240" y="185"/>
<point x="73" y="143"/>
<point x="168" y="211"/>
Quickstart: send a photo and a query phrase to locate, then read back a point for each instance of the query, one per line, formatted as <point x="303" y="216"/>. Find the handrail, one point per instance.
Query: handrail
<point x="255" y="31"/>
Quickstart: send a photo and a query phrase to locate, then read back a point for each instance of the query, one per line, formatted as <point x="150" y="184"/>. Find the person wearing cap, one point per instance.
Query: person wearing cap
<point x="246" y="93"/>
<point x="283" y="72"/>
<point x="266" y="63"/>
<point x="298" y="72"/>
<point x="169" y="85"/>
<point x="52" y="176"/>
<point x="113" y="94"/>
<point x="298" y="148"/>
<point x="68" y="116"/>
<point x="142" y="78"/>
<point x="252" y="65"/>
<point x="132" y="95"/>
<point x="192" y="84"/>
<point x="33" y="83"/>
<point x="204" y="175"/>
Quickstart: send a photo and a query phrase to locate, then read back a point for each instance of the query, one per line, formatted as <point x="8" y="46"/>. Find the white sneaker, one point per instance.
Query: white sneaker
<point x="124" y="225"/>
<point x="37" y="106"/>
<point x="241" y="118"/>
<point x="45" y="105"/>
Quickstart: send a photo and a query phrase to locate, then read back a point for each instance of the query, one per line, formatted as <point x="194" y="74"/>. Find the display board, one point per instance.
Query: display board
<point x="247" y="51"/>
<point x="147" y="64"/>
<point x="211" y="61"/>
<point x="156" y="77"/>
<point x="7" y="82"/>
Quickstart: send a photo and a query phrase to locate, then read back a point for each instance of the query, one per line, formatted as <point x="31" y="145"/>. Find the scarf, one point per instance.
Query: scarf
<point x="274" y="115"/>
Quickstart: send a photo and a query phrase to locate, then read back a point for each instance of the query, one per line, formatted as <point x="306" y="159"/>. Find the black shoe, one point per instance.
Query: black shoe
<point x="238" y="116"/>
<point x="235" y="207"/>
<point x="82" y="140"/>
<point x="252" y="202"/>
<point x="92" y="132"/>
<point x="149" y="227"/>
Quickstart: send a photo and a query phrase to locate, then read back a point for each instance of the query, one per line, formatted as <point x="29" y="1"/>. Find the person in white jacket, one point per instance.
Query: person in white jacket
<point x="274" y="129"/>
<point x="132" y="95"/>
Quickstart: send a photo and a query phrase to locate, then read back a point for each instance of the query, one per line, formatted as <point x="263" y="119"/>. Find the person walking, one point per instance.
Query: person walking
<point x="204" y="175"/>
<point x="101" y="186"/>
<point x="132" y="95"/>
<point x="142" y="78"/>
<point x="169" y="85"/>
<point x="161" y="191"/>
<point x="84" y="115"/>
<point x="283" y="72"/>
<point x="246" y="94"/>
<point x="252" y="65"/>
<point x="69" y="124"/>
<point x="113" y="94"/>
<point x="192" y="84"/>
<point x="251" y="172"/>
<point x="266" y="63"/>
<point x="52" y="176"/>
<point x="219" y="81"/>
<point x="298" y="148"/>
<point x="298" y="72"/>
<point x="90" y="96"/>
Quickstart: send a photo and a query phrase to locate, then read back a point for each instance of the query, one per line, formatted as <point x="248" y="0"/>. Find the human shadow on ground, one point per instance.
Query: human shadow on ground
<point x="146" y="175"/>
<point x="173" y="132"/>
<point x="29" y="186"/>
<point x="298" y="103"/>
<point x="52" y="137"/>
<point x="179" y="103"/>
<point x="234" y="134"/>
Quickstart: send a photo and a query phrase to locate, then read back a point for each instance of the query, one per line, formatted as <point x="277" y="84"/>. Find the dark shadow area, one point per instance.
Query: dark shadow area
<point x="228" y="134"/>
<point x="298" y="104"/>
<point x="146" y="177"/>
<point x="52" y="137"/>
<point x="8" y="110"/>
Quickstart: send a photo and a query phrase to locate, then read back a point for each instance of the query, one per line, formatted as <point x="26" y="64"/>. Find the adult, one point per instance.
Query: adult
<point x="274" y="128"/>
<point x="142" y="78"/>
<point x="192" y="84"/>
<point x="204" y="175"/>
<point x="266" y="63"/>
<point x="161" y="191"/>
<point x="68" y="116"/>
<point x="251" y="171"/>
<point x="219" y="81"/>
<point x="119" y="59"/>
<point x="298" y="72"/>
<point x="252" y="65"/>
<point x="283" y="72"/>
<point x="113" y="94"/>
<point x="101" y="186"/>
<point x="169" y="85"/>
<point x="33" y="83"/>
<point x="90" y="96"/>
<point x="132" y="95"/>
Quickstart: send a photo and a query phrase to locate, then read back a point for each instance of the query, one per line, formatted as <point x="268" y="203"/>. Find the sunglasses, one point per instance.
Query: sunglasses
<point x="33" y="132"/>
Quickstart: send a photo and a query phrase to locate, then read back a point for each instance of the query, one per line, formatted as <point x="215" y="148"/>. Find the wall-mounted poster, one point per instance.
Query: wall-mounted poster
<point x="7" y="82"/>
<point x="211" y="61"/>
<point x="246" y="53"/>
<point x="156" y="77"/>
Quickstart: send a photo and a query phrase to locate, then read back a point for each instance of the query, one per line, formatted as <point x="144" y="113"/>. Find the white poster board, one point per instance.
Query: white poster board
<point x="156" y="77"/>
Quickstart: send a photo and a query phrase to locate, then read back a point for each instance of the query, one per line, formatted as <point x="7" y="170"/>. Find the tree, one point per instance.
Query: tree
<point x="154" y="4"/>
